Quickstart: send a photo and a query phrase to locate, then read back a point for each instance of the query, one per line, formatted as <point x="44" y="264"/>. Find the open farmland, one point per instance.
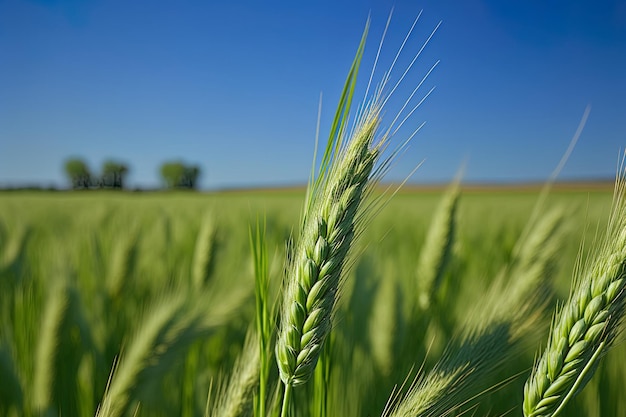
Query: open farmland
<point x="167" y="281"/>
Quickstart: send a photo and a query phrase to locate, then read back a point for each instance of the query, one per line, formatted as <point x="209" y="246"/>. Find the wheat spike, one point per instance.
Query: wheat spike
<point x="438" y="246"/>
<point x="53" y="319"/>
<point x="314" y="278"/>
<point x="236" y="400"/>
<point x="492" y="334"/>
<point x="170" y="326"/>
<point x="586" y="325"/>
<point x="203" y="251"/>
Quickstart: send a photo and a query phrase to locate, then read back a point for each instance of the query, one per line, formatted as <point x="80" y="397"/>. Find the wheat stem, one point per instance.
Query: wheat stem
<point x="264" y="314"/>
<point x="286" y="401"/>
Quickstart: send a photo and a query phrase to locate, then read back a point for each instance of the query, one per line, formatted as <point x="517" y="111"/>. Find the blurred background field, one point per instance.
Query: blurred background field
<point x="103" y="262"/>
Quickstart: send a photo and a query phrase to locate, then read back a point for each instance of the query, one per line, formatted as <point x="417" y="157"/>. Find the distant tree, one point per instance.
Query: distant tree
<point x="172" y="173"/>
<point x="178" y="175"/>
<point x="78" y="173"/>
<point x="113" y="174"/>
<point x="190" y="177"/>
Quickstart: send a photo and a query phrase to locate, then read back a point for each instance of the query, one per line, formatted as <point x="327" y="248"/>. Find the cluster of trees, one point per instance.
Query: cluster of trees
<point x="80" y="176"/>
<point x="113" y="174"/>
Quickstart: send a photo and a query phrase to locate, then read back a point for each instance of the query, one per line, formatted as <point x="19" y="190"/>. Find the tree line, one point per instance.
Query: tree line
<point x="174" y="174"/>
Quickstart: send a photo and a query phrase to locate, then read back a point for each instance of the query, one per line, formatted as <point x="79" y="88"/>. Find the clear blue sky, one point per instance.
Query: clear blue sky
<point x="234" y="85"/>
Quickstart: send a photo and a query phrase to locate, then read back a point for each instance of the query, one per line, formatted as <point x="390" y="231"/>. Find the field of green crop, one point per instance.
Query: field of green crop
<point x="160" y="288"/>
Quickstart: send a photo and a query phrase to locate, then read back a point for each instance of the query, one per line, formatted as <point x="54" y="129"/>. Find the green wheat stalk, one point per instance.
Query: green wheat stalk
<point x="585" y="327"/>
<point x="54" y="318"/>
<point x="492" y="335"/>
<point x="237" y="399"/>
<point x="329" y="222"/>
<point x="172" y="324"/>
<point x="332" y="218"/>
<point x="122" y="263"/>
<point x="264" y="317"/>
<point x="204" y="251"/>
<point x="436" y="252"/>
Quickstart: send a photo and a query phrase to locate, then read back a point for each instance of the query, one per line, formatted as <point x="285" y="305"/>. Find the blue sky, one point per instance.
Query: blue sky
<point x="234" y="86"/>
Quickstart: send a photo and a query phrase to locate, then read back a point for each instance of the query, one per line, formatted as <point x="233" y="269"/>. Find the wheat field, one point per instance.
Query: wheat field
<point x="347" y="298"/>
<point x="160" y="287"/>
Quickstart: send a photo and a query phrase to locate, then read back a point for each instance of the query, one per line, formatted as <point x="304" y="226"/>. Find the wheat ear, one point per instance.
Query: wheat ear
<point x="492" y="334"/>
<point x="53" y="319"/>
<point x="122" y="263"/>
<point x="204" y="251"/>
<point x="586" y="325"/>
<point x="237" y="399"/>
<point x="438" y="245"/>
<point x="315" y="275"/>
<point x="329" y="226"/>
<point x="332" y="217"/>
<point x="170" y="327"/>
